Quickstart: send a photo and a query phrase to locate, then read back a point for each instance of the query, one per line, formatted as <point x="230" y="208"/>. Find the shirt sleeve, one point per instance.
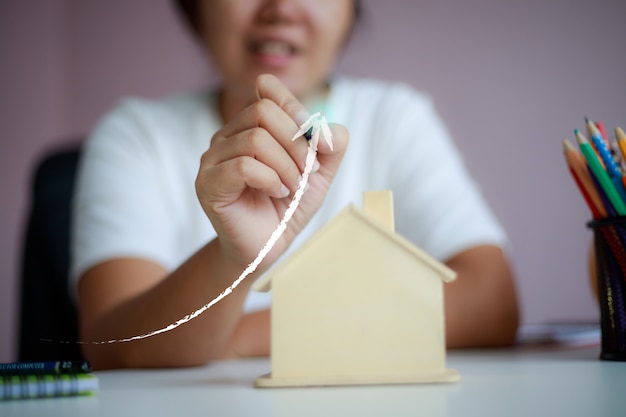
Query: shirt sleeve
<point x="119" y="209"/>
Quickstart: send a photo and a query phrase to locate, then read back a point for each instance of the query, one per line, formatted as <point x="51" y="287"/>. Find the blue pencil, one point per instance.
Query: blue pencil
<point x="606" y="156"/>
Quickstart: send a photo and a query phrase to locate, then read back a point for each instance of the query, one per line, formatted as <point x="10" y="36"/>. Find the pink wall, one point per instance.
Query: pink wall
<point x="32" y="116"/>
<point x="65" y="62"/>
<point x="512" y="79"/>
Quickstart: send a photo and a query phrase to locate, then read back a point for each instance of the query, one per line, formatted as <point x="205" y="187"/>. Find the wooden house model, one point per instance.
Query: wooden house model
<point x="357" y="304"/>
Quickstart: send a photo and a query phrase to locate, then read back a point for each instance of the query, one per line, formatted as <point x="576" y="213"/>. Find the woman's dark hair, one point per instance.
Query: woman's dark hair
<point x="189" y="10"/>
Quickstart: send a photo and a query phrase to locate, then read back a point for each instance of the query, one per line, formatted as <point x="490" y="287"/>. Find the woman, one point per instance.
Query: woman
<point x="150" y="247"/>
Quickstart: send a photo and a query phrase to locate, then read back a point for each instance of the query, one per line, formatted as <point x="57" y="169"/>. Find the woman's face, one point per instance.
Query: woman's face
<point x="296" y="40"/>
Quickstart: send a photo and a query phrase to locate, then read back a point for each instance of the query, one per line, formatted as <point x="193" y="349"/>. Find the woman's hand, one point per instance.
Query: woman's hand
<point x="252" y="169"/>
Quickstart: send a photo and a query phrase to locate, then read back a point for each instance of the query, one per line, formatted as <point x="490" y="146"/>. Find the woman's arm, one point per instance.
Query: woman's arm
<point x="251" y="337"/>
<point x="481" y="306"/>
<point x="127" y="297"/>
<point x="244" y="185"/>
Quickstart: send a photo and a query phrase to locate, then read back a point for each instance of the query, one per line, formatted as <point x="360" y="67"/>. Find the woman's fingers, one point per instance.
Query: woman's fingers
<point x="257" y="149"/>
<point x="270" y="87"/>
<point x="257" y="144"/>
<point x="267" y="115"/>
<point x="253" y="164"/>
<point x="232" y="177"/>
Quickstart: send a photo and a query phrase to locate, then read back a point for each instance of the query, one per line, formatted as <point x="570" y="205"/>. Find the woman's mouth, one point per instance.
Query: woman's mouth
<point x="274" y="48"/>
<point x="273" y="53"/>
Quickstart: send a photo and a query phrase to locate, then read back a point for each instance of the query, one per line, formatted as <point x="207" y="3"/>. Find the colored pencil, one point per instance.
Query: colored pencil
<point x="596" y="127"/>
<point x="609" y="162"/>
<point x="578" y="169"/>
<point x="620" y="136"/>
<point x="602" y="131"/>
<point x="600" y="174"/>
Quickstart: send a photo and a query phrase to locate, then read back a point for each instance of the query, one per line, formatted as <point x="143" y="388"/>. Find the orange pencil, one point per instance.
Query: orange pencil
<point x="578" y="169"/>
<point x="620" y="136"/>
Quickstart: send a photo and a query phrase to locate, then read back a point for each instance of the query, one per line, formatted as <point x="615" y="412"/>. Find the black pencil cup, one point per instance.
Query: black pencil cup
<point x="610" y="247"/>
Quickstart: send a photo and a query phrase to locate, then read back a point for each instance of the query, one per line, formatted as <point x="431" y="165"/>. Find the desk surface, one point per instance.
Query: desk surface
<point x="518" y="382"/>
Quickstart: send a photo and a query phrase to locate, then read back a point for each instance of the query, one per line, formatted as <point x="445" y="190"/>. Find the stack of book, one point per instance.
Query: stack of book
<point x="22" y="380"/>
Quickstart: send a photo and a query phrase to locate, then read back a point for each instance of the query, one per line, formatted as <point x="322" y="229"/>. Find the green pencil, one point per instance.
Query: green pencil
<point x="600" y="173"/>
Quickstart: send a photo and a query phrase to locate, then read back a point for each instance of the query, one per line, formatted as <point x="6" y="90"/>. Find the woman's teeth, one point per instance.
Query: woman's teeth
<point x="274" y="48"/>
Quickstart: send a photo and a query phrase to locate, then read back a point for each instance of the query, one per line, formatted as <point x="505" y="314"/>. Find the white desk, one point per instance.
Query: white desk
<point x="494" y="383"/>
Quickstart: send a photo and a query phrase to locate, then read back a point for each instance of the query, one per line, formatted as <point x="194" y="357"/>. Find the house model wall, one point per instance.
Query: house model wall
<point x="358" y="304"/>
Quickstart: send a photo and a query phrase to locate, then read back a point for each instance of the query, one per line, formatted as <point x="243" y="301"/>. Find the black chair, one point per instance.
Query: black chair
<point x="48" y="328"/>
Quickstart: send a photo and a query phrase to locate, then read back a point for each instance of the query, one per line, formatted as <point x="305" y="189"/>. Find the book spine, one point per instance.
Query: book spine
<point x="37" y="386"/>
<point x="51" y="367"/>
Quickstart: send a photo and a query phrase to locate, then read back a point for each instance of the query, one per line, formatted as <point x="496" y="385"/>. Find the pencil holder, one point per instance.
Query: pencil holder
<point x="610" y="246"/>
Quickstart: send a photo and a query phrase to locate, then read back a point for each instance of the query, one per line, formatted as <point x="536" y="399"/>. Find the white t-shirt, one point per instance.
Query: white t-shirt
<point x="136" y="195"/>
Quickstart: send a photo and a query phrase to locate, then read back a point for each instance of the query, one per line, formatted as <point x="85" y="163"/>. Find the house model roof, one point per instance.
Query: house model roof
<point x="385" y="232"/>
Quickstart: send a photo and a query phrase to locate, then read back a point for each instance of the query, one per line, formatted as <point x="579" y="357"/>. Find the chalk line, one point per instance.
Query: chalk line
<point x="316" y="123"/>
